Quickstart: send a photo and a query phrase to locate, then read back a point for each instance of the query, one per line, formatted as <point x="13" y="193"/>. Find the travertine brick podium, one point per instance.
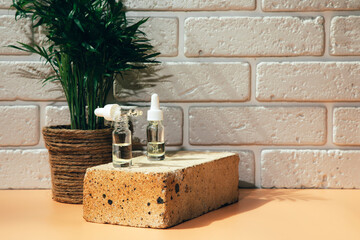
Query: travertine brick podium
<point x="161" y="194"/>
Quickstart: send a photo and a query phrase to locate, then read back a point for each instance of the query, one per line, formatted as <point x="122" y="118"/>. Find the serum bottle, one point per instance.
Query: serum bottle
<point x="155" y="131"/>
<point x="121" y="136"/>
<point x="121" y="143"/>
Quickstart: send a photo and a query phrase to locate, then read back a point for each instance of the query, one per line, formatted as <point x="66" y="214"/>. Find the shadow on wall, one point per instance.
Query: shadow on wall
<point x="141" y="79"/>
<point x="249" y="199"/>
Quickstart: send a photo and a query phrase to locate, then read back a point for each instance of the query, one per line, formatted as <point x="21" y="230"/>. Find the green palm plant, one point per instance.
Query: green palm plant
<point x="88" y="42"/>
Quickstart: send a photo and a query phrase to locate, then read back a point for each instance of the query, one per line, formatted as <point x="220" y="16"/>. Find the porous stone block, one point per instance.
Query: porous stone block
<point x="161" y="194"/>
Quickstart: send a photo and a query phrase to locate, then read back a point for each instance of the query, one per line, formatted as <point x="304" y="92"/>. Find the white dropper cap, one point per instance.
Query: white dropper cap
<point x="155" y="114"/>
<point x="110" y="112"/>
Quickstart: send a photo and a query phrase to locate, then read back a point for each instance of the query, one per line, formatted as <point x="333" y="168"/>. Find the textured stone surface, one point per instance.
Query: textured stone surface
<point x="24" y="169"/>
<point x="163" y="33"/>
<point x="12" y="31"/>
<point x="310" y="168"/>
<point x="310" y="5"/>
<point x="20" y="125"/>
<point x="308" y="81"/>
<point x="210" y="5"/>
<point x="257" y="125"/>
<point x="184" y="82"/>
<point x="161" y="194"/>
<point x="5" y="4"/>
<point x="345" y="35"/>
<point x="246" y="169"/>
<point x="57" y="115"/>
<point x="253" y="36"/>
<point x="23" y="81"/>
<point x="173" y="123"/>
<point x="346" y="124"/>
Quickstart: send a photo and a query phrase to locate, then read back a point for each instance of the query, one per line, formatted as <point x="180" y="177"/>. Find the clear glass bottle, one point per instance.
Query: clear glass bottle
<point x="121" y="143"/>
<point x="155" y="141"/>
<point x="155" y="131"/>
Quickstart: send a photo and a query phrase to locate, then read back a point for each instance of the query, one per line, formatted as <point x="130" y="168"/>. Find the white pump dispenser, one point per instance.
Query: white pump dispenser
<point x="155" y="114"/>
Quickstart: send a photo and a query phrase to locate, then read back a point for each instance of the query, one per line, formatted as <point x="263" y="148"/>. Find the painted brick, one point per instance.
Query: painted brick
<point x="346" y="126"/>
<point x="5" y="4"/>
<point x="246" y="169"/>
<point x="23" y="81"/>
<point x="57" y="115"/>
<point x="253" y="36"/>
<point x="175" y="5"/>
<point x="24" y="169"/>
<point x="163" y="33"/>
<point x="13" y="31"/>
<point x="308" y="81"/>
<point x="310" y="168"/>
<point x="312" y="5"/>
<point x="257" y="125"/>
<point x="173" y="123"/>
<point x="20" y="125"/>
<point x="186" y="82"/>
<point x="345" y="35"/>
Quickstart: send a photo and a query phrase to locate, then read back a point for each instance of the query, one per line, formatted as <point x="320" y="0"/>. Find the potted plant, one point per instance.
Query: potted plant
<point x="87" y="44"/>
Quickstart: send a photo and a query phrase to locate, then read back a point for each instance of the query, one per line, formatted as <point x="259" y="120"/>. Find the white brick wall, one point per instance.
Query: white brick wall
<point x="346" y="126"/>
<point x="57" y="115"/>
<point x="247" y="169"/>
<point x="308" y="81"/>
<point x="310" y="168"/>
<point x="217" y="81"/>
<point x="19" y="125"/>
<point x="276" y="81"/>
<point x="5" y="4"/>
<point x="345" y="35"/>
<point x="13" y="31"/>
<point x="164" y="35"/>
<point x="256" y="36"/>
<point x="257" y="125"/>
<point x="24" y="169"/>
<point x="210" y="5"/>
<point x="309" y="5"/>
<point x="23" y="81"/>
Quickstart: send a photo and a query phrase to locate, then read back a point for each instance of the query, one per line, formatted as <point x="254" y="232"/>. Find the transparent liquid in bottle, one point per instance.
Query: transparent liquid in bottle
<point x="156" y="150"/>
<point x="122" y="154"/>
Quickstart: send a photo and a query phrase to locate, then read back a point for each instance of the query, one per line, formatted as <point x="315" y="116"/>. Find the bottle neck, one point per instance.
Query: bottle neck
<point x="122" y="123"/>
<point x="155" y="122"/>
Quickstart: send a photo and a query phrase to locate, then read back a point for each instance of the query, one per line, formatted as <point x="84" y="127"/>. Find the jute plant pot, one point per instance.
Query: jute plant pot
<point x="71" y="152"/>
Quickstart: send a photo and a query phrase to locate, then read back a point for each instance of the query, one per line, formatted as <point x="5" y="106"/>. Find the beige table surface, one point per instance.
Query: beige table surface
<point x="259" y="214"/>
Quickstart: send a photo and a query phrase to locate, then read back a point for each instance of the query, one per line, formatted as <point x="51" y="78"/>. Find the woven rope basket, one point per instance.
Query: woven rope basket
<point x="71" y="152"/>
